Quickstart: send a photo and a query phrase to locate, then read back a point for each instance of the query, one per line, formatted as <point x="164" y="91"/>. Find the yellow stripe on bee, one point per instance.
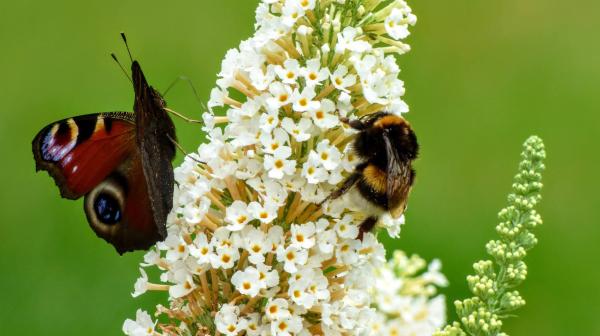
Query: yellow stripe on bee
<point x="376" y="178"/>
<point x="390" y="120"/>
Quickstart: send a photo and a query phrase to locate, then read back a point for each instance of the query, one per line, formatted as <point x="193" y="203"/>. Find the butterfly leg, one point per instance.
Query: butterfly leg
<point x="183" y="151"/>
<point x="189" y="81"/>
<point x="190" y="120"/>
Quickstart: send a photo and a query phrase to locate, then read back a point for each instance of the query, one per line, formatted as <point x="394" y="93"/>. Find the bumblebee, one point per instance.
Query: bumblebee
<point x="386" y="146"/>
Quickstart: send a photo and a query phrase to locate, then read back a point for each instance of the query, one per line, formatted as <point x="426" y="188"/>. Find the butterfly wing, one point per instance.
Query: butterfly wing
<point x="97" y="156"/>
<point x="75" y="151"/>
<point x="155" y="136"/>
<point x="118" y="209"/>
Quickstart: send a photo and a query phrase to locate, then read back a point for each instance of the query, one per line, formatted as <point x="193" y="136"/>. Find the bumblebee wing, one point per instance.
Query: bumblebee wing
<point x="399" y="178"/>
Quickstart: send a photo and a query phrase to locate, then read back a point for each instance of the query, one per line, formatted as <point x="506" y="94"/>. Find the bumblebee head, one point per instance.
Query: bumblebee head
<point x="381" y="132"/>
<point x="400" y="134"/>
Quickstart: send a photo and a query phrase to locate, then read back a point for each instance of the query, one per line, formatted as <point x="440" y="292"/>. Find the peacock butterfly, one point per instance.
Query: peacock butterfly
<point x="120" y="162"/>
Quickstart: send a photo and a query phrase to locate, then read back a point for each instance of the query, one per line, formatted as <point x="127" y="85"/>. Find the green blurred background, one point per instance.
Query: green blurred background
<point x="482" y="76"/>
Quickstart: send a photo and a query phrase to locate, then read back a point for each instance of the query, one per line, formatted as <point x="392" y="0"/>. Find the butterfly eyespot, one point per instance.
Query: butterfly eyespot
<point x="108" y="209"/>
<point x="105" y="206"/>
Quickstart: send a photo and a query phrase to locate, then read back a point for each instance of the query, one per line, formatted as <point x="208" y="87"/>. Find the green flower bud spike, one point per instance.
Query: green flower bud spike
<point x="494" y="280"/>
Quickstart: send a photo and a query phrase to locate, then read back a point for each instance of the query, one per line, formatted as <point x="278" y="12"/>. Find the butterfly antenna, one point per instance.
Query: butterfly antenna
<point x="121" y="66"/>
<point x="127" y="46"/>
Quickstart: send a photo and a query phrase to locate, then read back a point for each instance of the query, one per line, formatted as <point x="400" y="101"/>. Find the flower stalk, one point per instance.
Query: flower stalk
<point x="494" y="282"/>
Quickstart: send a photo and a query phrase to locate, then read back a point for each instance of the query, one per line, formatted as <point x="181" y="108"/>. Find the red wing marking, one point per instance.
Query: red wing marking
<point x="81" y="152"/>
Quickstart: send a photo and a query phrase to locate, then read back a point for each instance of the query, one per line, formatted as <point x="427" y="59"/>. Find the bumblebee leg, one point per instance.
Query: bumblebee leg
<point x="348" y="183"/>
<point x="366" y="226"/>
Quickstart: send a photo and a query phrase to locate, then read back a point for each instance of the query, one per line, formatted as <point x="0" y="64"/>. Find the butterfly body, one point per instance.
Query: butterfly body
<point x="120" y="162"/>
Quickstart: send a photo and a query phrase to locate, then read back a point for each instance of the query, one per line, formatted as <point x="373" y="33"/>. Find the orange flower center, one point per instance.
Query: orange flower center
<point x="290" y="256"/>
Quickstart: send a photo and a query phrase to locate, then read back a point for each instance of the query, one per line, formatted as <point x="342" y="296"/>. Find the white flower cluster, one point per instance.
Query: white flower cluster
<point x="249" y="250"/>
<point x="405" y="297"/>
